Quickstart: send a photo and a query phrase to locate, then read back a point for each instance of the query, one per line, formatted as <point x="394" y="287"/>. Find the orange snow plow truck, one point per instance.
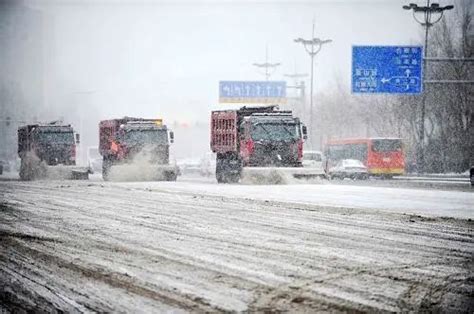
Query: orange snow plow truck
<point x="136" y="149"/>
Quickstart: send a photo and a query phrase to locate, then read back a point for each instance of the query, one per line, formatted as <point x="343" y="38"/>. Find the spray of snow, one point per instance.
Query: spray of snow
<point x="34" y="168"/>
<point x="142" y="168"/>
<point x="277" y="176"/>
<point x="264" y="176"/>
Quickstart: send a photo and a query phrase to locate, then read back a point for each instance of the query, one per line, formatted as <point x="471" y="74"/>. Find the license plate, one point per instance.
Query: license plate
<point x="386" y="159"/>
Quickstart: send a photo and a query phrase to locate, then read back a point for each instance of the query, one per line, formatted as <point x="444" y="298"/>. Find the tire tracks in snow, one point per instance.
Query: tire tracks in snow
<point x="202" y="252"/>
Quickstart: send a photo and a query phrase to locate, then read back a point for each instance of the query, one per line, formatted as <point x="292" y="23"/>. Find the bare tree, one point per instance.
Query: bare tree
<point x="450" y="110"/>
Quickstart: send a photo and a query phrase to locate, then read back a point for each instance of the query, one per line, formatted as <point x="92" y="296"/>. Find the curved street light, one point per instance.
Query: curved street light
<point x="312" y="47"/>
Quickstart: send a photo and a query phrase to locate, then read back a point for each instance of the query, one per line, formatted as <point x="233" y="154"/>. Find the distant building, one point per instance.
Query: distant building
<point x="21" y="68"/>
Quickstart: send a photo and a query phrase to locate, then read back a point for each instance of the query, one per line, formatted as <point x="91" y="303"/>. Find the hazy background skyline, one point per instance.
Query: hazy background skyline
<point x="96" y="60"/>
<point x="152" y="59"/>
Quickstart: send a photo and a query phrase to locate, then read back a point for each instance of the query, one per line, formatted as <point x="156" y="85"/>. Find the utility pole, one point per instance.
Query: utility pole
<point x="312" y="47"/>
<point x="430" y="15"/>
<point x="267" y="65"/>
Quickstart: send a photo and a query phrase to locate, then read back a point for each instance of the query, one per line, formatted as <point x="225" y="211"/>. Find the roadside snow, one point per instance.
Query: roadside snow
<point x="417" y="201"/>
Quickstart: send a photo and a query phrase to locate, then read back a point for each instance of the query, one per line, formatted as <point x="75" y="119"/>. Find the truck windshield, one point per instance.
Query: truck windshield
<point x="56" y="137"/>
<point x="141" y="137"/>
<point x="274" y="131"/>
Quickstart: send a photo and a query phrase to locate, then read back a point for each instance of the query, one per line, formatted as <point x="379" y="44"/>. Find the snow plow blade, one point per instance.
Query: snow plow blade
<point x="61" y="172"/>
<point x="140" y="172"/>
<point x="278" y="175"/>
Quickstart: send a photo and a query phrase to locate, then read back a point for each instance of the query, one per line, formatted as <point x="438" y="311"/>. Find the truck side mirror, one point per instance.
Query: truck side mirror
<point x="171" y="137"/>
<point x="305" y="132"/>
<point x="78" y="138"/>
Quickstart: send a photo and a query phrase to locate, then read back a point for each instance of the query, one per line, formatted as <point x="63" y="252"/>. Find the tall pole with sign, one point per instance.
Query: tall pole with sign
<point x="430" y="15"/>
<point x="312" y="47"/>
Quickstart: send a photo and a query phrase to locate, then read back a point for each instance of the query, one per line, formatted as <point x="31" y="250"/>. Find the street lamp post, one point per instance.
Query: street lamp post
<point x="267" y="65"/>
<point x="431" y="14"/>
<point x="312" y="47"/>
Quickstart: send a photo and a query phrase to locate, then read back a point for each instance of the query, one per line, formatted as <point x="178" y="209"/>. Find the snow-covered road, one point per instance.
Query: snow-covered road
<point x="198" y="246"/>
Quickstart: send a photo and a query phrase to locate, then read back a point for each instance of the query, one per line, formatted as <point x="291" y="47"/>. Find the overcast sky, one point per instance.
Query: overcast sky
<point x="166" y="58"/>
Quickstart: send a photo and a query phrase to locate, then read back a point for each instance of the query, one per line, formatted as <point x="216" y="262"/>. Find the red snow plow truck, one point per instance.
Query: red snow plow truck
<point x="136" y="149"/>
<point x="259" y="143"/>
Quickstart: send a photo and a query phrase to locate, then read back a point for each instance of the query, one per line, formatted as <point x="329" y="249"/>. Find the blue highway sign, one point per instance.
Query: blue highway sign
<point x="387" y="69"/>
<point x="264" y="92"/>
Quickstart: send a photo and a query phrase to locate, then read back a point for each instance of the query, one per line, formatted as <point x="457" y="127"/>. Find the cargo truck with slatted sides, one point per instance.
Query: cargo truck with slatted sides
<point x="257" y="141"/>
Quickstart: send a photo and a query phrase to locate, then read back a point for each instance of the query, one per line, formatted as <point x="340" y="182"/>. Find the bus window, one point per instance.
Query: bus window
<point x="356" y="151"/>
<point x="335" y="152"/>
<point x="386" y="145"/>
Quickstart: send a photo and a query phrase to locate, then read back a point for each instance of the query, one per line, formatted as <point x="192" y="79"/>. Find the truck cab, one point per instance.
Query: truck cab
<point x="271" y="140"/>
<point x="137" y="137"/>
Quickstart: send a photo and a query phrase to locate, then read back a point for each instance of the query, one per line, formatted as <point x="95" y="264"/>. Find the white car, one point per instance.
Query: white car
<point x="314" y="159"/>
<point x="349" y="168"/>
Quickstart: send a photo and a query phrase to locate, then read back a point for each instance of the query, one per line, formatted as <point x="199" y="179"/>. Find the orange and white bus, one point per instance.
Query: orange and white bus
<point x="382" y="156"/>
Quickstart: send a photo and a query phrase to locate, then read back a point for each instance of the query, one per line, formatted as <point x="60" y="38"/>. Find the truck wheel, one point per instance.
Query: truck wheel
<point x="26" y="171"/>
<point x="220" y="169"/>
<point x="228" y="168"/>
<point x="233" y="178"/>
<point x="22" y="170"/>
<point x="171" y="176"/>
<point x="106" y="164"/>
<point x="219" y="177"/>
